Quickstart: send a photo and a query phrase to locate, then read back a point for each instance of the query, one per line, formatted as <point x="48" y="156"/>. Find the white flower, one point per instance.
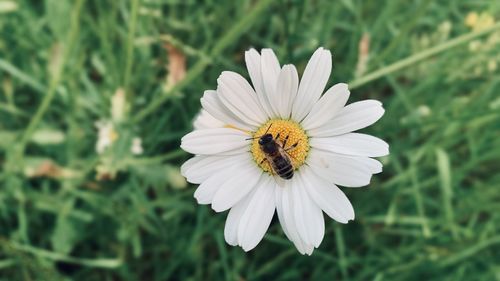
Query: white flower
<point x="106" y="135"/>
<point x="136" y="146"/>
<point x="229" y="165"/>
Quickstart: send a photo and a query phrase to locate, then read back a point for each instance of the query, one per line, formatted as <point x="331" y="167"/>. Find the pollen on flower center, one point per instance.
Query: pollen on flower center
<point x="288" y="130"/>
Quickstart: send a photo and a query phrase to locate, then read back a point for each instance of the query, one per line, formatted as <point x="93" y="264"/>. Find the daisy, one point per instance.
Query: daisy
<point x="314" y="130"/>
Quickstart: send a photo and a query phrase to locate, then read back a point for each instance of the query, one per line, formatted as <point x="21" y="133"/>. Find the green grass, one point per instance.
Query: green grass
<point x="433" y="214"/>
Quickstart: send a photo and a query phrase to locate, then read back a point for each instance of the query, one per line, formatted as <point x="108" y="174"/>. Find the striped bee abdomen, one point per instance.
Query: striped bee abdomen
<point x="283" y="167"/>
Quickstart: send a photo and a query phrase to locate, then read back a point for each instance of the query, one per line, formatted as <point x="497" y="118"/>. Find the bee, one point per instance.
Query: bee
<point x="276" y="154"/>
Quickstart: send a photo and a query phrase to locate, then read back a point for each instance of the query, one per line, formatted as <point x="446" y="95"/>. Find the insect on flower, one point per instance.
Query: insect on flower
<point x="276" y="154"/>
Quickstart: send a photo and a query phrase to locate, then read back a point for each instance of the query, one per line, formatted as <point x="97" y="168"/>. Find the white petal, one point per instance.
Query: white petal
<point x="270" y="68"/>
<point x="258" y="215"/>
<point x="252" y="59"/>
<point x="236" y="151"/>
<point x="313" y="83"/>
<point x="191" y="162"/>
<point x="329" y="105"/>
<point x="353" y="117"/>
<point x="207" y="190"/>
<point x="238" y="96"/>
<point x="352" y="144"/>
<point x="374" y="165"/>
<point x="284" y="208"/>
<point x="350" y="171"/>
<point x="212" y="104"/>
<point x="308" y="216"/>
<point x="328" y="197"/>
<point x="233" y="221"/>
<point x="286" y="91"/>
<point x="205" y="120"/>
<point x="201" y="167"/>
<point x="278" y="191"/>
<point x="236" y="186"/>
<point x="213" y="141"/>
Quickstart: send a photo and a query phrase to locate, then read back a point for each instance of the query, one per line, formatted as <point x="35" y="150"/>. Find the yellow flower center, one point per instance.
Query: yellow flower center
<point x="289" y="135"/>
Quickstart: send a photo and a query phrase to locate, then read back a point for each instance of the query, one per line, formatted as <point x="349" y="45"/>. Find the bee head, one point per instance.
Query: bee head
<point x="265" y="139"/>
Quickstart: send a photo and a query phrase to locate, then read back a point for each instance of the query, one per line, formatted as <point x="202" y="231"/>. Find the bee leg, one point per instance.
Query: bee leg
<point x="284" y="142"/>
<point x="277" y="136"/>
<point x="292" y="147"/>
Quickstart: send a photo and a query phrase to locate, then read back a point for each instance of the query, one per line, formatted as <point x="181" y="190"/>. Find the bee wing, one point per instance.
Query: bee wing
<point x="283" y="152"/>
<point x="270" y="162"/>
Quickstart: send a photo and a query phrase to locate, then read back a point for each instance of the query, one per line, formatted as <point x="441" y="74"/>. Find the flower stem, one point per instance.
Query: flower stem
<point x="102" y="263"/>
<point x="420" y="56"/>
<point x="130" y="47"/>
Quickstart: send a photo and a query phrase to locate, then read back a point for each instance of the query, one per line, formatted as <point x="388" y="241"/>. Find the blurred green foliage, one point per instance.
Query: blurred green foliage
<point x="68" y="212"/>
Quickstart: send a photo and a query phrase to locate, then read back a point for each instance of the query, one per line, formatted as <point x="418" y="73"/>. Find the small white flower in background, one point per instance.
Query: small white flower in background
<point x="118" y="105"/>
<point x="312" y="135"/>
<point x="136" y="146"/>
<point x="111" y="131"/>
<point x="106" y="135"/>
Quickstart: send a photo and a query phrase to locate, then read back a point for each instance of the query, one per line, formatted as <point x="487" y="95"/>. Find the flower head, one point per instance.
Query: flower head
<point x="281" y="145"/>
<point x="107" y="135"/>
<point x="136" y="148"/>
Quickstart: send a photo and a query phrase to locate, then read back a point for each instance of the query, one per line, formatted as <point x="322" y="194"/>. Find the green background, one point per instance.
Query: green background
<point x="433" y="214"/>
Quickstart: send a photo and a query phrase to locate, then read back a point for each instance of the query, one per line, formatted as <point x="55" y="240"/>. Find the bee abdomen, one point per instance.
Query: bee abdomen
<point x="283" y="167"/>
